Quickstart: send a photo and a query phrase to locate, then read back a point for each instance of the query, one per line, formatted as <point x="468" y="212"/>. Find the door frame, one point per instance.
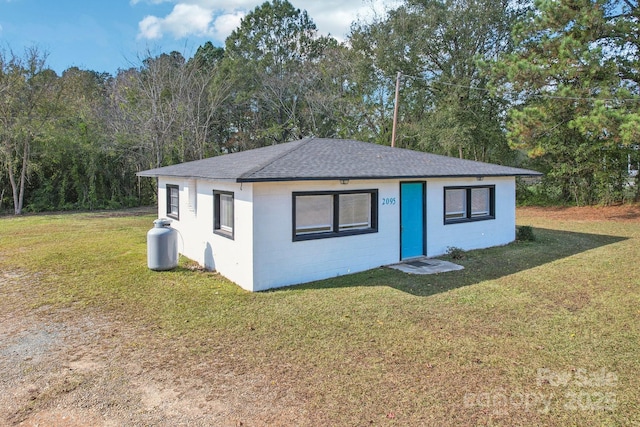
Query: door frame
<point x="424" y="218"/>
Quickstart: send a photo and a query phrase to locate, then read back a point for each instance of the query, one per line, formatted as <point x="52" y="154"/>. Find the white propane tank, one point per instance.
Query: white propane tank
<point x="162" y="246"/>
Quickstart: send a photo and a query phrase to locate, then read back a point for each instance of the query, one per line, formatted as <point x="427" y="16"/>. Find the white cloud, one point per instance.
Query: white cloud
<point x="335" y="16"/>
<point x="184" y="20"/>
<point x="150" y="28"/>
<point x="224" y="25"/>
<point x="218" y="18"/>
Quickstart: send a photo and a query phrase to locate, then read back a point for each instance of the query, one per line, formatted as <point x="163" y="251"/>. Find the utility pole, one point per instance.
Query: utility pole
<point x="395" y="110"/>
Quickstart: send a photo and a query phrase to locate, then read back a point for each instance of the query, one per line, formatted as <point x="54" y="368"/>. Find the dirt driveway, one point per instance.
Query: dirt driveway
<point x="78" y="367"/>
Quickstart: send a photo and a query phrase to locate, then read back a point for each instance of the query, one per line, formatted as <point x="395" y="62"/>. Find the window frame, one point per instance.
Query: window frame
<point x="335" y="225"/>
<point x="217" y="214"/>
<point x="169" y="189"/>
<point x="468" y="204"/>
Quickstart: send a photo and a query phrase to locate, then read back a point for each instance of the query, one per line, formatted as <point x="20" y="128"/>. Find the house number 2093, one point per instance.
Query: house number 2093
<point x="387" y="201"/>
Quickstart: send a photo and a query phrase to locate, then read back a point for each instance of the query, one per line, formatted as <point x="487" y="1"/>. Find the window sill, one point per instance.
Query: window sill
<point x="463" y="220"/>
<point x="318" y="236"/>
<point x="173" y="216"/>
<point x="228" y="235"/>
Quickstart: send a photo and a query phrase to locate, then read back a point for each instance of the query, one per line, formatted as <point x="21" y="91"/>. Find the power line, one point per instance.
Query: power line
<point x="567" y="98"/>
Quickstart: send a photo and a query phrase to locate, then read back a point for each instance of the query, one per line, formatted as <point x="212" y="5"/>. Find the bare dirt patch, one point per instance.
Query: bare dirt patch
<point x="622" y="213"/>
<point x="80" y="367"/>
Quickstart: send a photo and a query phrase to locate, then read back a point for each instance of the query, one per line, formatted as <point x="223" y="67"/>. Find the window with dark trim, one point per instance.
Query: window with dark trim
<point x="173" y="201"/>
<point x="223" y="213"/>
<point x="324" y="214"/>
<point x="463" y="204"/>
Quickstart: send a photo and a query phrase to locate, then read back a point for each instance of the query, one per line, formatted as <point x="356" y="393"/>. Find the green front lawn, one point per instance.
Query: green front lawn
<point x="535" y="333"/>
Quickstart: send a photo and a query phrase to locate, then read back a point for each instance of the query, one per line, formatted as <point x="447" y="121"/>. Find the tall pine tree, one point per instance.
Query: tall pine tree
<point x="574" y="80"/>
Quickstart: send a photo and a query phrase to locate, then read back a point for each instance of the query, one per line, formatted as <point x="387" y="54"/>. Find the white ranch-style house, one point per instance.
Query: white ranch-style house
<point x="318" y="208"/>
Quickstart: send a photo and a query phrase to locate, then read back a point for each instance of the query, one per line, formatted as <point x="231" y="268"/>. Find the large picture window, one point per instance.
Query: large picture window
<point x="173" y="201"/>
<point x="463" y="204"/>
<point x="223" y="213"/>
<point x="318" y="215"/>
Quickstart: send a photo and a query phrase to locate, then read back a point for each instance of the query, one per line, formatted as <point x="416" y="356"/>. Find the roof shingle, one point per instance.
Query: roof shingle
<point x="328" y="159"/>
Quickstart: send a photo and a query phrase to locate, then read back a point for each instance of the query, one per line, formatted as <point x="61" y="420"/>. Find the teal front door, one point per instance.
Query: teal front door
<point x="412" y="220"/>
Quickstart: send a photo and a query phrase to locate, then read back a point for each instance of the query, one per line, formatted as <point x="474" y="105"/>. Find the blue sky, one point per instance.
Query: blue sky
<point x="106" y="35"/>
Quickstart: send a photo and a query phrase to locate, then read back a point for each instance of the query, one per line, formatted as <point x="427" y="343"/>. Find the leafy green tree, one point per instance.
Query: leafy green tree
<point x="79" y="168"/>
<point x="207" y="57"/>
<point x="573" y="78"/>
<point x="65" y="165"/>
<point x="438" y="46"/>
<point x="334" y="96"/>
<point x="265" y="62"/>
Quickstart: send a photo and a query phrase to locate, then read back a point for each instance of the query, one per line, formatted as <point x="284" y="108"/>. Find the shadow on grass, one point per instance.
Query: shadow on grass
<point x="479" y="265"/>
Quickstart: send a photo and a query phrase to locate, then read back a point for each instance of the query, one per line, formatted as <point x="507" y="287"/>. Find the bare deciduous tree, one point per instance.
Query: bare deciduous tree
<point x="30" y="97"/>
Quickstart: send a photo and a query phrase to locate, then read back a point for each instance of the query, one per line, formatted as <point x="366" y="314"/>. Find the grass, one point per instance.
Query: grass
<point x="487" y="345"/>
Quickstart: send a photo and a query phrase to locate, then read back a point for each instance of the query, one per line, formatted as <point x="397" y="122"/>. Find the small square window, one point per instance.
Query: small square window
<point x="462" y="204"/>
<point x="173" y="201"/>
<point x="223" y="213"/>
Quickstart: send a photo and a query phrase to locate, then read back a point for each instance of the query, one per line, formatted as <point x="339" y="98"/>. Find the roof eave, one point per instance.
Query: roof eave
<point x="158" y="175"/>
<point x="368" y="178"/>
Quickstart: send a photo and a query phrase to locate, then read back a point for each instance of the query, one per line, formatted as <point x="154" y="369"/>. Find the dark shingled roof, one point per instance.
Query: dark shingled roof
<point x="328" y="159"/>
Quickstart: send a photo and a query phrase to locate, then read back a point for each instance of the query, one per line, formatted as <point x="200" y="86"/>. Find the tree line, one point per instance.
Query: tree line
<point x="552" y="85"/>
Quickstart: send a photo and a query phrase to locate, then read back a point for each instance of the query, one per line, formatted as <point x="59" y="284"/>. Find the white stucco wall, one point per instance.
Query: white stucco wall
<point x="279" y="261"/>
<point x="470" y="235"/>
<point x="263" y="255"/>
<point x="233" y="258"/>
